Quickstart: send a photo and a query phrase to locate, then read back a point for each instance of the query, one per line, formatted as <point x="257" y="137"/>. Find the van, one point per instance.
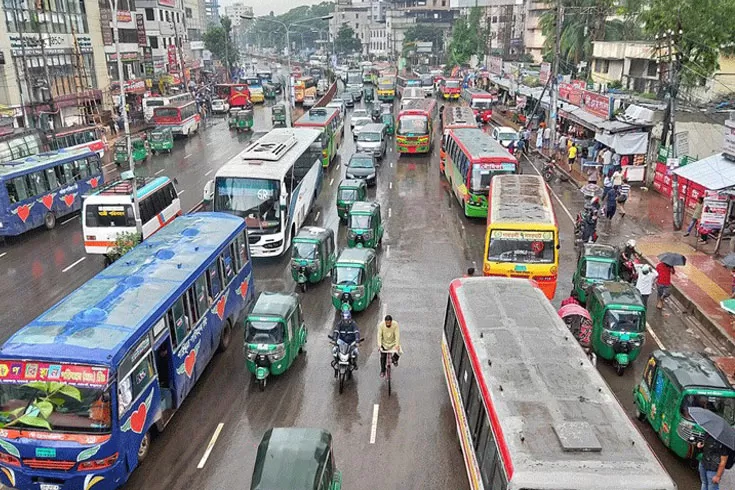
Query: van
<point x="110" y="212"/>
<point x="309" y="101"/>
<point x="322" y="86"/>
<point x="372" y="139"/>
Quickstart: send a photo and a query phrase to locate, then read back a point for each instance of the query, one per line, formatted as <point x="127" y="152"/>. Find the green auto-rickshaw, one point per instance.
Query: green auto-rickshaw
<point x="161" y="139"/>
<point x="232" y="117"/>
<point x="389" y="121"/>
<point x="367" y="93"/>
<point x="618" y="322"/>
<point x="313" y="255"/>
<point x="349" y="192"/>
<point x="675" y="381"/>
<point x="293" y="457"/>
<point x="269" y="90"/>
<point x="138" y="147"/>
<point x="278" y="114"/>
<point x="244" y="120"/>
<point x="596" y="263"/>
<point x="275" y="333"/>
<point x="364" y="225"/>
<point x="355" y="279"/>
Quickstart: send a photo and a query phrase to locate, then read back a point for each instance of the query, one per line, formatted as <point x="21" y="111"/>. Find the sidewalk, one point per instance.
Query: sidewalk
<point x="703" y="282"/>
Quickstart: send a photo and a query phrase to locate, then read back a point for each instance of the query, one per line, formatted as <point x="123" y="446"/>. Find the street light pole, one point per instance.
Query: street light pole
<point x="124" y="111"/>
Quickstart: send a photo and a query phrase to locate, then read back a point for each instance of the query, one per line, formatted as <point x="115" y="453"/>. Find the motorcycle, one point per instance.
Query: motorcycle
<point x="582" y="225"/>
<point x="549" y="171"/>
<point x="344" y="359"/>
<point x="628" y="270"/>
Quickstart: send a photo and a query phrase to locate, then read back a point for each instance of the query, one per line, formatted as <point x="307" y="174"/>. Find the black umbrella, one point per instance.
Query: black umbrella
<point x="672" y="259"/>
<point x="729" y="261"/>
<point x="714" y="425"/>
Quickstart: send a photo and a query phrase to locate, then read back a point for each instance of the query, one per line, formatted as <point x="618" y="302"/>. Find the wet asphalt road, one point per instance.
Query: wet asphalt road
<point x="427" y="244"/>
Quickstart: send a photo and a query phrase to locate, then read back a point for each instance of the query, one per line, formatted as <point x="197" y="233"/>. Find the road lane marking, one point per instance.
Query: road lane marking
<point x="655" y="337"/>
<point x="391" y="185"/>
<point x="337" y="167"/>
<point x="65" y="222"/>
<point x="387" y="250"/>
<point x="109" y="165"/>
<point x="210" y="446"/>
<point x="390" y="212"/>
<point x="187" y="156"/>
<point x="210" y="143"/>
<point x="331" y="182"/>
<point x="160" y="171"/>
<point x="3" y="254"/>
<point x="75" y="263"/>
<point x="316" y="218"/>
<point x="181" y="192"/>
<point x="374" y="427"/>
<point x="383" y="309"/>
<point x="391" y="164"/>
<point x="207" y="173"/>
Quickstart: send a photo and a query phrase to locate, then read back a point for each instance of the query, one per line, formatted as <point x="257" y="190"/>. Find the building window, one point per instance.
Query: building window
<point x="160" y="15"/>
<point x="652" y="69"/>
<point x="153" y="42"/>
<point x="357" y="16"/>
<point x="150" y="14"/>
<point x="602" y="66"/>
<point x="188" y="13"/>
<point x="168" y="16"/>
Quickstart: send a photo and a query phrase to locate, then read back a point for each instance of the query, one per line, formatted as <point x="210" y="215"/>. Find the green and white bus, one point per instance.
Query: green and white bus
<point x="329" y="121"/>
<point x="473" y="157"/>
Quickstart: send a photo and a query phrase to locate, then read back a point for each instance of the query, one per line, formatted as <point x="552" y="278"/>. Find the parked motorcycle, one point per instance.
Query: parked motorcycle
<point x="344" y="359"/>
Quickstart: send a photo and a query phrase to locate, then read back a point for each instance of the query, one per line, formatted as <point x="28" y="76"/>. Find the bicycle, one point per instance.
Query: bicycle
<point x="388" y="364"/>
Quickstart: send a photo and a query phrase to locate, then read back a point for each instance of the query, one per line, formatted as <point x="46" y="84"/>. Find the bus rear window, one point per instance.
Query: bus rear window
<point x="104" y="216"/>
<point x="166" y="112"/>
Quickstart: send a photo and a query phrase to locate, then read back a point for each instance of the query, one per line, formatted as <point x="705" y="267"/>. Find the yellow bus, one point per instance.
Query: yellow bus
<point x="522" y="237"/>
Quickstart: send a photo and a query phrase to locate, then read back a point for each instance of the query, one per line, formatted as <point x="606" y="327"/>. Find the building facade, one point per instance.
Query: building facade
<point x="533" y="38"/>
<point x="236" y="10"/>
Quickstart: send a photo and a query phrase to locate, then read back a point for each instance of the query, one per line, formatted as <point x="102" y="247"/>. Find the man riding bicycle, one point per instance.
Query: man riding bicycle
<point x="348" y="333"/>
<point x="388" y="339"/>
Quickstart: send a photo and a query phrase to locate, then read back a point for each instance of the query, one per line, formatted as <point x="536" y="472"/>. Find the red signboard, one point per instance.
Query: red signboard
<point x="124" y="16"/>
<point x="27" y="371"/>
<point x="172" y="65"/>
<point x="571" y="93"/>
<point x="597" y="104"/>
<point x="167" y="3"/>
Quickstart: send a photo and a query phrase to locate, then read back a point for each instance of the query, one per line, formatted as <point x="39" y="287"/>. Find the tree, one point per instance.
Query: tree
<point x="346" y="42"/>
<point x="124" y="243"/>
<point x="424" y="33"/>
<point x="706" y="26"/>
<point x="214" y="41"/>
<point x="469" y="38"/>
<point x="271" y="34"/>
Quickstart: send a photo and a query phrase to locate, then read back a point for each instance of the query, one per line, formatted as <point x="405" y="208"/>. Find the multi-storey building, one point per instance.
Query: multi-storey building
<point x="236" y="10"/>
<point x="533" y="38"/>
<point x="403" y="14"/>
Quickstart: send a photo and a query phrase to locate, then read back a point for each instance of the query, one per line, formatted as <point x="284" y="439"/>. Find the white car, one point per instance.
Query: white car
<point x="358" y="114"/>
<point x="504" y="135"/>
<point x="358" y="123"/>
<point x="338" y="104"/>
<point x="220" y="106"/>
<point x="309" y="101"/>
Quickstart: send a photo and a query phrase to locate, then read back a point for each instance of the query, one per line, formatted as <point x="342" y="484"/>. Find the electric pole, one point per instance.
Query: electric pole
<point x="554" y="109"/>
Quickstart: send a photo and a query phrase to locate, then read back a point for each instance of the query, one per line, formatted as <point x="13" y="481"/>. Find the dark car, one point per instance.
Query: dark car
<point x="363" y="166"/>
<point x="348" y="99"/>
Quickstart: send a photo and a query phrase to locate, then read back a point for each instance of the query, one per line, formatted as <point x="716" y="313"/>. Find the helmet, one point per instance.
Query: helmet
<point x="630" y="243"/>
<point x="595" y="200"/>
<point x="346" y="315"/>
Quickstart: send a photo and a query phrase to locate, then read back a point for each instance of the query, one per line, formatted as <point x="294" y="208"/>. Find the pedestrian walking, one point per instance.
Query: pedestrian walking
<point x="521" y="147"/>
<point x="572" y="155"/>
<point x="663" y="282"/>
<point x="547" y="138"/>
<point x="623" y="193"/>
<point x="617" y="178"/>
<point x="644" y="284"/>
<point x="539" y="140"/>
<point x="713" y="462"/>
<point x="606" y="185"/>
<point x="696" y="216"/>
<point x="611" y="203"/>
<point x="616" y="161"/>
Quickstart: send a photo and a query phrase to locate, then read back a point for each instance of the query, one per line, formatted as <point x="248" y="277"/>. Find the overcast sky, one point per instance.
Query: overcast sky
<point x="263" y="7"/>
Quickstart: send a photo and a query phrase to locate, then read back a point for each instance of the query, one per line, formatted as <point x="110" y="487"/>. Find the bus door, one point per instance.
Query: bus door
<point x="165" y="369"/>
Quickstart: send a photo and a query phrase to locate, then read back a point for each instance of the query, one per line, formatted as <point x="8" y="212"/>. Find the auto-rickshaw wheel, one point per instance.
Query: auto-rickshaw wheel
<point x="169" y="150"/>
<point x="638" y="414"/>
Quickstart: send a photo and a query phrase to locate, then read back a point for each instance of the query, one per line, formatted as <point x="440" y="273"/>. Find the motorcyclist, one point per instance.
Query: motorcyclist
<point x="628" y="258"/>
<point x="629" y="252"/>
<point x="346" y="331"/>
<point x="589" y="219"/>
<point x="376" y="114"/>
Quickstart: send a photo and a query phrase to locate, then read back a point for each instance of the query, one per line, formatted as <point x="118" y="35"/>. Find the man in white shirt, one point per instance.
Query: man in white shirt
<point x="646" y="278"/>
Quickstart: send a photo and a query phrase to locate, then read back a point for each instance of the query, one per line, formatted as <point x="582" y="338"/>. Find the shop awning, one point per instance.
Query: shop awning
<point x="630" y="143"/>
<point x="714" y="172"/>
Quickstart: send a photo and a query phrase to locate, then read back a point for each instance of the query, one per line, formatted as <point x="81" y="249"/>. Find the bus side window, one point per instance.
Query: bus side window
<point x="189" y="297"/>
<point x="171" y="191"/>
<point x="200" y="294"/>
<point x="213" y="280"/>
<point x="236" y="256"/>
<point x="83" y="168"/>
<point x="60" y="175"/>
<point x="37" y="183"/>
<point x="51" y="178"/>
<point x="95" y="166"/>
<point x="146" y="210"/>
<point x="227" y="265"/>
<point x="69" y="173"/>
<point x="486" y="458"/>
<point x="499" y="482"/>
<point x="181" y="322"/>
<point x="241" y="249"/>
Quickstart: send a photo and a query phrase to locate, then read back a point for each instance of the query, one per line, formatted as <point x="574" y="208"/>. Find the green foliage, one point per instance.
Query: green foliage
<point x="346" y="42"/>
<point x="124" y="242"/>
<point x="37" y="413"/>
<point x="214" y="41"/>
<point x="615" y="84"/>
<point x="469" y="38"/>
<point x="424" y="33"/>
<point x="271" y="34"/>
<point x="706" y="25"/>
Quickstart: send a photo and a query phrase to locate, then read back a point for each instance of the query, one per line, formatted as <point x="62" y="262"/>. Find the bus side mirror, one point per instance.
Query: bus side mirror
<point x="558" y="246"/>
<point x="208" y="191"/>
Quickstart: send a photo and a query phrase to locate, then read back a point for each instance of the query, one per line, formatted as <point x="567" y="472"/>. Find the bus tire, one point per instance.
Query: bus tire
<point x="226" y="337"/>
<point x="49" y="221"/>
<point x="144" y="447"/>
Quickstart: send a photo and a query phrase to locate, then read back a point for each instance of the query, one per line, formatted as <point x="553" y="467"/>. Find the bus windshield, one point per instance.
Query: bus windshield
<point x="153" y="102"/>
<point x="67" y="409"/>
<point x="623" y="321"/>
<point x="256" y="200"/>
<point x="413" y="126"/>
<point x="481" y="104"/>
<point x="451" y="83"/>
<point x="521" y="246"/>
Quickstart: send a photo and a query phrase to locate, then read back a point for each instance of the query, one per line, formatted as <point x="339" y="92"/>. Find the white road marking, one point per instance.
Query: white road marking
<point x="383" y="310"/>
<point x="210" y="143"/>
<point x="210" y="446"/>
<point x="655" y="337"/>
<point x="391" y="185"/>
<point x="390" y="212"/>
<point x="207" y="173"/>
<point x="181" y="192"/>
<point x="3" y="254"/>
<point x="109" y="165"/>
<point x="63" y="223"/>
<point x="337" y="167"/>
<point x="316" y="218"/>
<point x="187" y="156"/>
<point x="387" y="250"/>
<point x="374" y="427"/>
<point x="331" y="182"/>
<point x="391" y="164"/>
<point x="75" y="263"/>
<point x="160" y="171"/>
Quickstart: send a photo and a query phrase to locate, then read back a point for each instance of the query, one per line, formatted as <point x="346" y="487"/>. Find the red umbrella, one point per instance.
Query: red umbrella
<point x="572" y="309"/>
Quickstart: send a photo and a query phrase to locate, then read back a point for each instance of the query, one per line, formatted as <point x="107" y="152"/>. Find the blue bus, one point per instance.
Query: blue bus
<point x="37" y="190"/>
<point x="83" y="386"/>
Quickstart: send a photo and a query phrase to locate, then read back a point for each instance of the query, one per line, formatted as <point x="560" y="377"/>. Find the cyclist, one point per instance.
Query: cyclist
<point x="388" y="339"/>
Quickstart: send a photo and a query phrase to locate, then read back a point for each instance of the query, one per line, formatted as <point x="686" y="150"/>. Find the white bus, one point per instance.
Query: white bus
<point x="273" y="185"/>
<point x="110" y="211"/>
<point x="150" y="103"/>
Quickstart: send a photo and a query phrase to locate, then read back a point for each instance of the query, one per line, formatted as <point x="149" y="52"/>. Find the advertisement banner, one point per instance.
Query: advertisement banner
<point x="124" y="16"/>
<point x="106" y="20"/>
<point x="545" y="72"/>
<point x="714" y="210"/>
<point x="495" y="66"/>
<point x="148" y="62"/>
<point x="26" y="371"/>
<point x="728" y="144"/>
<point x="140" y="26"/>
<point x="597" y="104"/>
<point x="172" y="65"/>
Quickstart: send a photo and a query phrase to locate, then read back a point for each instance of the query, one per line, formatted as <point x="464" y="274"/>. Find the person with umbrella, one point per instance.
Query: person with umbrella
<point x="665" y="270"/>
<point x="716" y="447"/>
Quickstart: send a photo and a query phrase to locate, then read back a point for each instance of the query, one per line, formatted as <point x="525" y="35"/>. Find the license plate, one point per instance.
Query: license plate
<point x="50" y="486"/>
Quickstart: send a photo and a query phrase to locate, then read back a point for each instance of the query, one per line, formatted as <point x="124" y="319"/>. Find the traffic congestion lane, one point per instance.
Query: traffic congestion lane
<point x="39" y="268"/>
<point x="416" y="273"/>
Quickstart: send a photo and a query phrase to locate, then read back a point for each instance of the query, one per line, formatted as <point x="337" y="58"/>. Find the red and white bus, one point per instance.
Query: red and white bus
<point x="236" y="94"/>
<point x="182" y="118"/>
<point x="415" y="126"/>
<point x="531" y="410"/>
<point x="481" y="103"/>
<point x="450" y="88"/>
<point x="89" y="137"/>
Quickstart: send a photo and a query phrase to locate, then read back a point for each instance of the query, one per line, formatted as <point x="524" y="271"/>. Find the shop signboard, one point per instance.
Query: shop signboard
<point x="106" y="20"/>
<point x="196" y="45"/>
<point x="728" y="145"/>
<point x="128" y="56"/>
<point x="148" y="66"/>
<point x="136" y="86"/>
<point x="172" y="65"/>
<point x="124" y="16"/>
<point x="140" y="26"/>
<point x="544" y="72"/>
<point x="681" y="143"/>
<point x="495" y="65"/>
<point x="597" y="104"/>
<point x="52" y="43"/>
<point x="714" y="210"/>
<point x="167" y="3"/>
